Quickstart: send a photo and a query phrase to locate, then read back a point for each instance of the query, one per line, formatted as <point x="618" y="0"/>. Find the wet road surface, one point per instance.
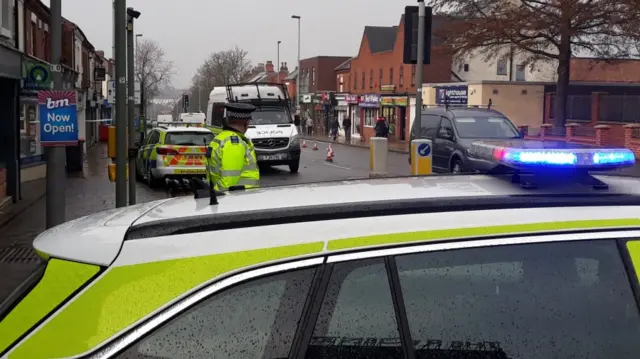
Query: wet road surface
<point x="90" y="192"/>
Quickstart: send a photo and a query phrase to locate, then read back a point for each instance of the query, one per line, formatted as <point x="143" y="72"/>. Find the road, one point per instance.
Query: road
<point x="91" y="192"/>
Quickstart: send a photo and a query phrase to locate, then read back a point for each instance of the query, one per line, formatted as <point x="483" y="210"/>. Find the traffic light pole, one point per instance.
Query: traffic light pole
<point x="420" y="59"/>
<point x="120" y="24"/>
<point x="131" y="107"/>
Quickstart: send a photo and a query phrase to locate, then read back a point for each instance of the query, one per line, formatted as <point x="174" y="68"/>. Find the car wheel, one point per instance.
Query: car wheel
<point x="456" y="167"/>
<point x="139" y="176"/>
<point x="151" y="182"/>
<point x="294" y="166"/>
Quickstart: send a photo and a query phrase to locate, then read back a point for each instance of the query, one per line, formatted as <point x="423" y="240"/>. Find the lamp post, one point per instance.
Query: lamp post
<point x="278" y="61"/>
<point x="131" y="15"/>
<point x="141" y="113"/>
<point x="299" y="70"/>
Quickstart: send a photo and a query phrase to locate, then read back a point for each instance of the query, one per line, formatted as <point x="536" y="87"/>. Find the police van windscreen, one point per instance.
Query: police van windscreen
<point x="270" y="116"/>
<point x="188" y="138"/>
<point x="485" y="127"/>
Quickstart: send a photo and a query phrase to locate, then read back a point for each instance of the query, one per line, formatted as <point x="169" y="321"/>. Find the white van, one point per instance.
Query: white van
<point x="271" y="129"/>
<point x="192" y="117"/>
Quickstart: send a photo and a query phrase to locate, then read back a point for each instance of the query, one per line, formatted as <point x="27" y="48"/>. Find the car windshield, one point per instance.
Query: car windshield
<point x="485" y="127"/>
<point x="270" y="116"/>
<point x="188" y="138"/>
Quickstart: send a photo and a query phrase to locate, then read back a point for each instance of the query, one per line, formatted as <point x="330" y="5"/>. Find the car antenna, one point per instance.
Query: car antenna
<point x="489" y="104"/>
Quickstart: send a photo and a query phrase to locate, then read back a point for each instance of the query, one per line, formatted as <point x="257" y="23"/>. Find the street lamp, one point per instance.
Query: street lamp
<point x="278" y="59"/>
<point x="299" y="69"/>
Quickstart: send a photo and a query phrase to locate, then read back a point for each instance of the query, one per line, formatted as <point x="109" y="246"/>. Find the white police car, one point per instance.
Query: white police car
<point x="427" y="267"/>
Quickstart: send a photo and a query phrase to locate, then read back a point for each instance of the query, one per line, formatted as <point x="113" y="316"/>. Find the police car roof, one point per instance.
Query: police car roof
<point x="98" y="238"/>
<point x="184" y="129"/>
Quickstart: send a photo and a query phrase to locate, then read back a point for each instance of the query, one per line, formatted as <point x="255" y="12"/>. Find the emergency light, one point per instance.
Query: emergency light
<point x="542" y="154"/>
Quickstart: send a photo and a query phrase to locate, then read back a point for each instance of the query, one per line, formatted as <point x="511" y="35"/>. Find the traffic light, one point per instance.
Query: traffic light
<point x="185" y="101"/>
<point x="410" y="55"/>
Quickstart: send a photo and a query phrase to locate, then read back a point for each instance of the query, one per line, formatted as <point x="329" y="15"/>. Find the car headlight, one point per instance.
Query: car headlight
<point x="295" y="140"/>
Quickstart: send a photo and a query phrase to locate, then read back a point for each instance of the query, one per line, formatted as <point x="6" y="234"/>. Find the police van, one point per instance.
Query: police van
<point x="271" y="130"/>
<point x="196" y="118"/>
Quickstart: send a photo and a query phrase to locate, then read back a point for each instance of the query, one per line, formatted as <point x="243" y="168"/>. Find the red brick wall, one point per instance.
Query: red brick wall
<point x="598" y="70"/>
<point x="325" y="72"/>
<point x="438" y="71"/>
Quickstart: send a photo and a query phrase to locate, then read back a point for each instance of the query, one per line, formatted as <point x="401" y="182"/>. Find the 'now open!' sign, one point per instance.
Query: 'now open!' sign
<point x="58" y="118"/>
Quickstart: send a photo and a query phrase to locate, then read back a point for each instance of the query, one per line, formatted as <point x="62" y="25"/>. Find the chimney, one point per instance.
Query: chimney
<point x="100" y="53"/>
<point x="269" y="66"/>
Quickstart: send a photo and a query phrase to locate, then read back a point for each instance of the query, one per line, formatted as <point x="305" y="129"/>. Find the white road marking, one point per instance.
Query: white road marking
<point x="336" y="166"/>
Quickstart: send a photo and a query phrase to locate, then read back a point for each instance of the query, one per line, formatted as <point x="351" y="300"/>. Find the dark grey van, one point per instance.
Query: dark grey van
<point x="452" y="131"/>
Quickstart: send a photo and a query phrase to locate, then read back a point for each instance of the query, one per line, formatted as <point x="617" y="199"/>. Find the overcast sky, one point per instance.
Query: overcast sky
<point x="189" y="30"/>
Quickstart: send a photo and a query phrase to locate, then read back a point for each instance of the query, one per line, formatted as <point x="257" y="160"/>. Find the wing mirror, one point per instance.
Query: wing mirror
<point x="446" y="133"/>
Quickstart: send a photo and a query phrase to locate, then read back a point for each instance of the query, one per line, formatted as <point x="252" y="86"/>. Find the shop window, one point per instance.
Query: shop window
<point x="401" y="75"/>
<point x="30" y="148"/>
<point x="370" y="115"/>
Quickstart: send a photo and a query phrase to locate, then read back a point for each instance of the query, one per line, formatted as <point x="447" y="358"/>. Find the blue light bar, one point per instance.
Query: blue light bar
<point x="539" y="154"/>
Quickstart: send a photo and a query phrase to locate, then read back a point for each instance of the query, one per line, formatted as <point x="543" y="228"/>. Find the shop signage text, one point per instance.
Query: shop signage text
<point x="454" y="95"/>
<point x="58" y="118"/>
<point x="36" y="75"/>
<point x="351" y="99"/>
<point x="400" y="101"/>
<point x="370" y="100"/>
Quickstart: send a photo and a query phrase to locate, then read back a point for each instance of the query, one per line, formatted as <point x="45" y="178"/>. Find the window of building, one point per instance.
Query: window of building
<point x="30" y="148"/>
<point x="520" y="74"/>
<point x="501" y="67"/>
<point x="355" y="80"/>
<point x="401" y="76"/>
<point x="32" y="44"/>
<point x="391" y="76"/>
<point x="313" y="76"/>
<point x="381" y="79"/>
<point x="257" y="319"/>
<point x="413" y="75"/>
<point x="6" y="18"/>
<point x="370" y="116"/>
<point x="45" y="46"/>
<point x="357" y="317"/>
<point x="370" y="79"/>
<point x="531" y="301"/>
<point x="363" y="80"/>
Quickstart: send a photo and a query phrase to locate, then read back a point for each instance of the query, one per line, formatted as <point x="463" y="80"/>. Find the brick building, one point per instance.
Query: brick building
<point x="384" y="84"/>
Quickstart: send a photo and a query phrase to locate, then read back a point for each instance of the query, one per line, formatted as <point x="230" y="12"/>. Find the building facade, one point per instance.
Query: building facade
<point x="385" y="86"/>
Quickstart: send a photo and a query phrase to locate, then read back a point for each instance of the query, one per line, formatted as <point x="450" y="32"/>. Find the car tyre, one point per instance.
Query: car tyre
<point x="294" y="166"/>
<point x="151" y="182"/>
<point x="456" y="166"/>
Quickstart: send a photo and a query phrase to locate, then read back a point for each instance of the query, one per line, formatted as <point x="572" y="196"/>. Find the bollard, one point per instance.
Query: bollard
<point x="421" y="157"/>
<point x="378" y="153"/>
<point x="111" y="142"/>
<point x="111" y="171"/>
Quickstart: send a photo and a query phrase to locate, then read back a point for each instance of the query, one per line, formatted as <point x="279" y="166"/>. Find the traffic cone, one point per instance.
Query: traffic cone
<point x="329" y="154"/>
<point x="304" y="144"/>
<point x="315" y="146"/>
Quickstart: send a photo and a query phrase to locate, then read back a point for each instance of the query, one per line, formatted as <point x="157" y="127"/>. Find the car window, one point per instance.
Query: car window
<point x="445" y="124"/>
<point x="486" y="127"/>
<point x="153" y="139"/>
<point x="150" y="138"/>
<point x="270" y="116"/>
<point x="257" y="319"/>
<point x="533" y="301"/>
<point x="429" y="125"/>
<point x="217" y="115"/>
<point x="196" y="138"/>
<point x="357" y="316"/>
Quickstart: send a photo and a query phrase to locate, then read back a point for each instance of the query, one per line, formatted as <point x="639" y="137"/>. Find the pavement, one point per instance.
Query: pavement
<point x="393" y="146"/>
<point x="90" y="191"/>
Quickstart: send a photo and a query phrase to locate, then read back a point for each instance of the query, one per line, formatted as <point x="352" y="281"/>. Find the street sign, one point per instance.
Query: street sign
<point x="58" y="118"/>
<point x="136" y="88"/>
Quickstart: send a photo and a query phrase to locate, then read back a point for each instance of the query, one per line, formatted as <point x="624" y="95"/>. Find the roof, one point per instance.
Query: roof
<point x="296" y="207"/>
<point x="292" y="75"/>
<point x="345" y="65"/>
<point x="381" y="38"/>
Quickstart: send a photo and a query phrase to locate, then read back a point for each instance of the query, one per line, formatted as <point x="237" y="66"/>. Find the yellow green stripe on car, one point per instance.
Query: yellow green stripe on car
<point x="60" y="279"/>
<point x="634" y="252"/>
<point x="126" y="294"/>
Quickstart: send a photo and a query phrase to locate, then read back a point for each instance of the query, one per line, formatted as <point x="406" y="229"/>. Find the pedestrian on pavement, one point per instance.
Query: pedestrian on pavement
<point x="297" y="122"/>
<point x="309" y="125"/>
<point x="381" y="129"/>
<point x="335" y="127"/>
<point x="346" y="124"/>
<point x="231" y="157"/>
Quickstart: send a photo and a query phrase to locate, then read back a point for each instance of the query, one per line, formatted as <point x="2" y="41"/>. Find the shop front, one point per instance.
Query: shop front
<point x="10" y="75"/>
<point x="394" y="110"/>
<point x="354" y="114"/>
<point x="369" y="113"/>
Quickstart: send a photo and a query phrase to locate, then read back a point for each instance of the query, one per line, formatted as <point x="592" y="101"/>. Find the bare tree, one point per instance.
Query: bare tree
<point x="153" y="69"/>
<point x="219" y="69"/>
<point x="540" y="31"/>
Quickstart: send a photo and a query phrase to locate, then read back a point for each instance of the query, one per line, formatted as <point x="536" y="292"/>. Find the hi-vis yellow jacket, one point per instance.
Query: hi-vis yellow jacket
<point x="231" y="161"/>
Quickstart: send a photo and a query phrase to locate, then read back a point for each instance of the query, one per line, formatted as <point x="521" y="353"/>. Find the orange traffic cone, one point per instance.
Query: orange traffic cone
<point x="315" y="146"/>
<point x="304" y="144"/>
<point x="329" y="154"/>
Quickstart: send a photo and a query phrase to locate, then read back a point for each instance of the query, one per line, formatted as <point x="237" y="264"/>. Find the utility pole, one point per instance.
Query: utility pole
<point x="278" y="59"/>
<point x="56" y="176"/>
<point x="420" y="62"/>
<point x="143" y="115"/>
<point x="121" y="100"/>
<point x="131" y="14"/>
<point x="299" y="69"/>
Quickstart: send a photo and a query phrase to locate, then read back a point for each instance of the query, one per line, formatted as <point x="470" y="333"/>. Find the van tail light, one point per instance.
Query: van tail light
<point x="167" y="151"/>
